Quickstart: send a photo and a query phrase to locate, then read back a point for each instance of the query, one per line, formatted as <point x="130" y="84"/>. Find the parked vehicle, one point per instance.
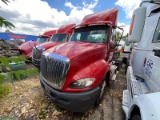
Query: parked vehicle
<point x="75" y="74"/>
<point x="61" y="36"/>
<point x="141" y="99"/>
<point x="126" y="53"/>
<point x="26" y="48"/>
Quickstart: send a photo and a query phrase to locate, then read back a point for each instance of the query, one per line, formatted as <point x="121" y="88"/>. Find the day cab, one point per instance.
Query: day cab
<point x="61" y="36"/>
<point x="75" y="74"/>
<point x="26" y="48"/>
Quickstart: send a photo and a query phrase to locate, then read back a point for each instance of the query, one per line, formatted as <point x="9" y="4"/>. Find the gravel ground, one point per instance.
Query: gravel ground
<point x="26" y="101"/>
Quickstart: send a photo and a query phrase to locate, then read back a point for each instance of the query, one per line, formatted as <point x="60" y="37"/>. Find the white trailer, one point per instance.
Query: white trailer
<point x="141" y="100"/>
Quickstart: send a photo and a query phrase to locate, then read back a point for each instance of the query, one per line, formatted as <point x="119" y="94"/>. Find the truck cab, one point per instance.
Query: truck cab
<point x="26" y="48"/>
<point x="62" y="35"/>
<point x="141" y="99"/>
<point x="75" y="74"/>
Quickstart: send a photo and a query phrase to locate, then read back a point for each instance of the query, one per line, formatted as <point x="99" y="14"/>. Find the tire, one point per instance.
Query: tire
<point x="126" y="66"/>
<point x="102" y="91"/>
<point x="136" y="117"/>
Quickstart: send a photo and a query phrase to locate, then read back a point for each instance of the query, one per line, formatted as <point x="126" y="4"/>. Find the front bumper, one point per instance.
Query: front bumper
<point x="75" y="102"/>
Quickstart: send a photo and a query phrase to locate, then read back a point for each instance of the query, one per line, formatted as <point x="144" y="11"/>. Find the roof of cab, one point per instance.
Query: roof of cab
<point x="49" y="33"/>
<point x="66" y="28"/>
<point x="104" y="17"/>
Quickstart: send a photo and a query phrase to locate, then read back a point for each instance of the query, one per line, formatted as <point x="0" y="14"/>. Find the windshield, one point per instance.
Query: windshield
<point x="92" y="34"/>
<point x="59" y="38"/>
<point x="42" y="39"/>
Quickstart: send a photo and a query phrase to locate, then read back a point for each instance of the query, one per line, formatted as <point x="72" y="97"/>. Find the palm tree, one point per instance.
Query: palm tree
<point x="4" y="22"/>
<point x="5" y="1"/>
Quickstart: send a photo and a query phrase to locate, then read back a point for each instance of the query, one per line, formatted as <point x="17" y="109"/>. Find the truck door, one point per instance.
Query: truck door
<point x="152" y="63"/>
<point x="111" y="46"/>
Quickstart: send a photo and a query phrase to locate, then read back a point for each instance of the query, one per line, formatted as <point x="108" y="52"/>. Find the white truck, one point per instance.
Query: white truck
<point x="141" y="100"/>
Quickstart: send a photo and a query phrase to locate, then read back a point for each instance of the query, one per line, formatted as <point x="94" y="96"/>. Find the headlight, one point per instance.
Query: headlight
<point x="82" y="83"/>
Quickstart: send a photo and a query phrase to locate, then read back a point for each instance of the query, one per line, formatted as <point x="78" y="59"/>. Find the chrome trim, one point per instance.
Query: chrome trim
<point x="56" y="56"/>
<point x="54" y="69"/>
<point x="40" y="48"/>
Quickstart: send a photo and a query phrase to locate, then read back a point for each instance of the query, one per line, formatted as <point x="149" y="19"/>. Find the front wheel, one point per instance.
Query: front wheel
<point x="102" y="91"/>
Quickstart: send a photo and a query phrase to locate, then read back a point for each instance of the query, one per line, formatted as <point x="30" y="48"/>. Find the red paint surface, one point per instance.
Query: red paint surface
<point x="66" y="29"/>
<point x="27" y="46"/>
<point x="88" y="60"/>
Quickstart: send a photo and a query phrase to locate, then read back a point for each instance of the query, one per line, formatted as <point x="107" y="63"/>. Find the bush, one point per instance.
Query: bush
<point x="4" y="90"/>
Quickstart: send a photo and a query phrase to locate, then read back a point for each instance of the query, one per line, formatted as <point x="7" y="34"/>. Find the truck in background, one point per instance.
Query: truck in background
<point x="75" y="74"/>
<point x="62" y="35"/>
<point x="126" y="53"/>
<point x="26" y="48"/>
<point x="141" y="99"/>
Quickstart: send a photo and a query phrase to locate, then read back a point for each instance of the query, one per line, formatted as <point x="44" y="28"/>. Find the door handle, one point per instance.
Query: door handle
<point x="156" y="52"/>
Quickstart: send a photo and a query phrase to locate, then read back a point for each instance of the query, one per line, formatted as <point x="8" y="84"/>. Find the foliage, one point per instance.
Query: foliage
<point x="5" y="60"/>
<point x="4" y="90"/>
<point x="3" y="21"/>
<point x="18" y="75"/>
<point x="118" y="36"/>
<point x="11" y="75"/>
<point x="5" y="1"/>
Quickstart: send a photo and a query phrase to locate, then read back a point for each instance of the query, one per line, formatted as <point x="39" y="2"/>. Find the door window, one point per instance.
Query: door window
<point x="157" y="33"/>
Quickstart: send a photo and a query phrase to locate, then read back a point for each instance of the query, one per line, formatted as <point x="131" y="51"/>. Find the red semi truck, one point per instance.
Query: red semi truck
<point x="75" y="74"/>
<point x="62" y="35"/>
<point x="26" y="48"/>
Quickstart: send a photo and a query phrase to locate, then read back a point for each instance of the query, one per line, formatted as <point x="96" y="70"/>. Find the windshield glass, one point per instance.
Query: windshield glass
<point x="92" y="34"/>
<point x="59" y="38"/>
<point x="42" y="39"/>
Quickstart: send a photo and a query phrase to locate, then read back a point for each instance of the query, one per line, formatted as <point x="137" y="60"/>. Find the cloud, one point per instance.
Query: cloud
<point x="69" y="4"/>
<point x="92" y="5"/>
<point x="125" y="27"/>
<point x="36" y="16"/>
<point x="128" y="6"/>
<point x="77" y="13"/>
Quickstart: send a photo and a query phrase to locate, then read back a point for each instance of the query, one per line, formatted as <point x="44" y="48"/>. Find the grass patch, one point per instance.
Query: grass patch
<point x="4" y="90"/>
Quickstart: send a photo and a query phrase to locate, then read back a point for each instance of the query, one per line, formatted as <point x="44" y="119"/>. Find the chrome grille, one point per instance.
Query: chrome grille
<point x="54" y="69"/>
<point x="36" y="55"/>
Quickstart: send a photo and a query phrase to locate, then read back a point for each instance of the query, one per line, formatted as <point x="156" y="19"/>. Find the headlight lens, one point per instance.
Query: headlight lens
<point x="82" y="83"/>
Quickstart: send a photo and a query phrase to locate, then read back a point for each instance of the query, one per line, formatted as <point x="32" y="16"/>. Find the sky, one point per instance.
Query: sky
<point x="36" y="16"/>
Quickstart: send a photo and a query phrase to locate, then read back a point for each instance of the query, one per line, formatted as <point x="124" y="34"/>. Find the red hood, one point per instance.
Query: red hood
<point x="48" y="45"/>
<point x="75" y="50"/>
<point x="27" y="46"/>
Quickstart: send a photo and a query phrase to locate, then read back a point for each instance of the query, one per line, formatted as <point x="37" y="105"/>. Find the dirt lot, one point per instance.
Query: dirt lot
<point x="27" y="101"/>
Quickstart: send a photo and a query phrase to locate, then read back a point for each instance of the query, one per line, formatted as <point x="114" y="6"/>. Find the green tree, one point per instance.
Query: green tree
<point x="3" y="21"/>
<point x="5" y="1"/>
<point x="118" y="36"/>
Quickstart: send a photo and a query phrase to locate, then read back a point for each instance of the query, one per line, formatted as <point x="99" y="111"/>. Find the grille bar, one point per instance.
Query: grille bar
<point x="54" y="69"/>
